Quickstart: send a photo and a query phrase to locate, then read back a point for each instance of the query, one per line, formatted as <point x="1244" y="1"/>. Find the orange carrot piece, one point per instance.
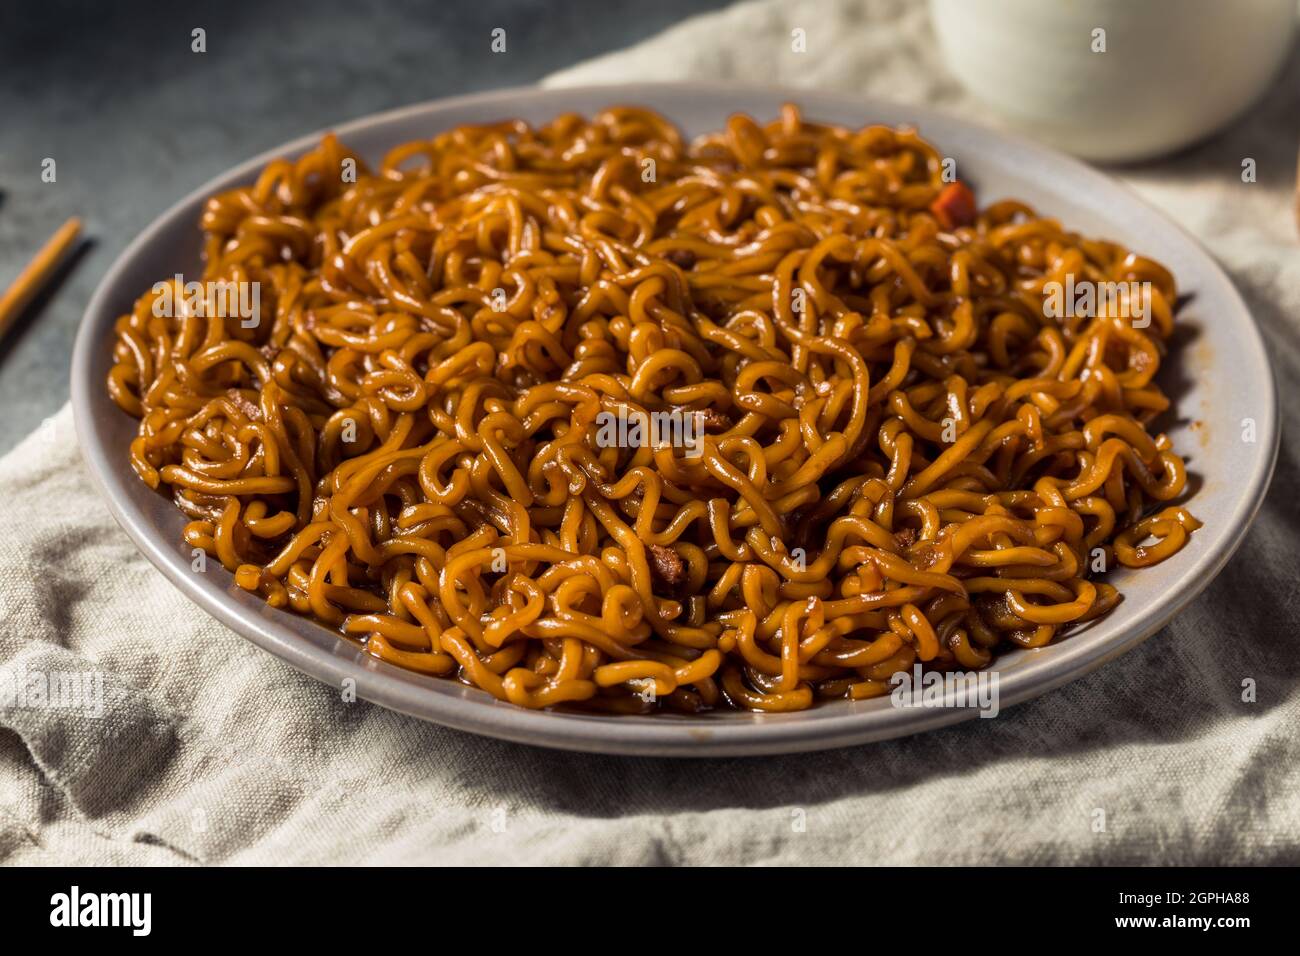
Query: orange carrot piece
<point x="954" y="206"/>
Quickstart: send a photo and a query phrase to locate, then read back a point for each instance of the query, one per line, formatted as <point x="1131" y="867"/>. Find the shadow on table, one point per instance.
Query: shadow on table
<point x="46" y="294"/>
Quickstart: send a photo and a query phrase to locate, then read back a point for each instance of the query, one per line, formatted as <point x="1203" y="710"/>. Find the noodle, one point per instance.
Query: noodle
<point x="589" y="415"/>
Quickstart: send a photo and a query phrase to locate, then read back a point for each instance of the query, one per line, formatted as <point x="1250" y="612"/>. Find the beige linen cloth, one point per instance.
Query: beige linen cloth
<point x="212" y="751"/>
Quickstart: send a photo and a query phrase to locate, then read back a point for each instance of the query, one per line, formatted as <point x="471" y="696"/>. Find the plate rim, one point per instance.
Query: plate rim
<point x="459" y="707"/>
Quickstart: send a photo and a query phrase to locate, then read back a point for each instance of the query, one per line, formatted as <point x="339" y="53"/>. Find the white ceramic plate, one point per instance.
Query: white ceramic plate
<point x="1219" y="376"/>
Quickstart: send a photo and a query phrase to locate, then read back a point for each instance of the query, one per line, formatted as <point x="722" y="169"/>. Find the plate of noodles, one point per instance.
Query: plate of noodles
<point x="677" y="419"/>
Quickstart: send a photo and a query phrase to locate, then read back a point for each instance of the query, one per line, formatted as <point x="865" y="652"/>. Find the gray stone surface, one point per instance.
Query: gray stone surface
<point x="135" y="120"/>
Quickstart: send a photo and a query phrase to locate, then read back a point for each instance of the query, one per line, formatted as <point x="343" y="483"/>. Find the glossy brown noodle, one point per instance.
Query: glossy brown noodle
<point x="904" y="458"/>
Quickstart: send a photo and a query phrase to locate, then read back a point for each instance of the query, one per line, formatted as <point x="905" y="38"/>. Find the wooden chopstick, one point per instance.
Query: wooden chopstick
<point x="33" y="278"/>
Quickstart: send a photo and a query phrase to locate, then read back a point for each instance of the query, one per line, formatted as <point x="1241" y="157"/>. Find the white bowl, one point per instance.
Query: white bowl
<point x="1173" y="71"/>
